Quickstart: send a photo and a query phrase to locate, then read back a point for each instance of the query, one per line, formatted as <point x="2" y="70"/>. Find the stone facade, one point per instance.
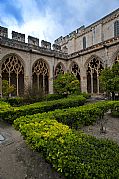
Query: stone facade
<point x="29" y="65"/>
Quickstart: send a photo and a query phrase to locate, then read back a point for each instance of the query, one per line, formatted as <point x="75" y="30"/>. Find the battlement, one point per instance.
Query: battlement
<point x="33" y="42"/>
<point x="56" y="47"/>
<point x="18" y="36"/>
<point x="46" y="44"/>
<point x="3" y="32"/>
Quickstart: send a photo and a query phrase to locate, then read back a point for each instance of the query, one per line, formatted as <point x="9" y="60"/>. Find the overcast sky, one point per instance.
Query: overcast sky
<point x="50" y="19"/>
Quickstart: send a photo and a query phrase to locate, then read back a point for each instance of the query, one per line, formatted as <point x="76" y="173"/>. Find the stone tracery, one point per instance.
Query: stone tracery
<point x="75" y="70"/>
<point x="59" y="69"/>
<point x="93" y="71"/>
<point x="13" y="72"/>
<point x="40" y="74"/>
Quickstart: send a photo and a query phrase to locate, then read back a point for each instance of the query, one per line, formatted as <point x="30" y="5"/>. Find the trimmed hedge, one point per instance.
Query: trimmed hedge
<point x="4" y="106"/>
<point x="11" y="114"/>
<point x="75" y="155"/>
<point x="19" y="101"/>
<point x="115" y="110"/>
<point x="73" y="117"/>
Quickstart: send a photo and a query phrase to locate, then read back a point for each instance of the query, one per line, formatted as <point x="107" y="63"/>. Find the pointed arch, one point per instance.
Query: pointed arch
<point x="59" y="69"/>
<point x="40" y="76"/>
<point x="115" y="57"/>
<point x="94" y="67"/>
<point x="74" y="68"/>
<point x="90" y="58"/>
<point x="12" y="70"/>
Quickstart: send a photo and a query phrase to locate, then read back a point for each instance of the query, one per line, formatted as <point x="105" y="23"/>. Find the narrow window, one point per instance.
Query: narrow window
<point x="116" y="28"/>
<point x="84" y="42"/>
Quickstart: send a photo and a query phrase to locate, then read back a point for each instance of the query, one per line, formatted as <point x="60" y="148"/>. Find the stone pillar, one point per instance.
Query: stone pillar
<point x="51" y="85"/>
<point x="91" y="82"/>
<point x="98" y="91"/>
<point x="27" y="84"/>
<point x="84" y="84"/>
<point x="17" y="85"/>
<point x="83" y="79"/>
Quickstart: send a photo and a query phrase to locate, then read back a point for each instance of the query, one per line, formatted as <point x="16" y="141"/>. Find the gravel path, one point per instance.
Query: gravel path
<point x="17" y="161"/>
<point x="111" y="128"/>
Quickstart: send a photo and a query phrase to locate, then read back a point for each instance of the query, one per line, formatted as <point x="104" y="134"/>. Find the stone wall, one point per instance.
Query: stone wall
<point x="95" y="33"/>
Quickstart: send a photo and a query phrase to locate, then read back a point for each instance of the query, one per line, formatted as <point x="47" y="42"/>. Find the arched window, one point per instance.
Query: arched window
<point x="40" y="76"/>
<point x="84" y="42"/>
<point x="75" y="70"/>
<point x="116" y="28"/>
<point x="93" y="71"/>
<point x="13" y="72"/>
<point x="59" y="69"/>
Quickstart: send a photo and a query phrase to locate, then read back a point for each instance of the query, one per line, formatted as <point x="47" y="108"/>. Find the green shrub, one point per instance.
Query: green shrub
<point x="17" y="101"/>
<point x="86" y="95"/>
<point x="4" y="105"/>
<point x="115" y="110"/>
<point x="73" y="117"/>
<point x="51" y="97"/>
<point x="13" y="113"/>
<point x="75" y="155"/>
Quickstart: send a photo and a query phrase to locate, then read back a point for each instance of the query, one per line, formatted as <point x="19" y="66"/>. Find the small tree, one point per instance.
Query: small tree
<point x="66" y="84"/>
<point x="109" y="80"/>
<point x="6" y="88"/>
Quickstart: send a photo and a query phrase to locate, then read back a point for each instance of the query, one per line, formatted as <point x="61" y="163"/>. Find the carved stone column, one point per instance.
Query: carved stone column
<point x="27" y="84"/>
<point x="83" y="80"/>
<point x="51" y="85"/>
<point x="98" y="88"/>
<point x="91" y="82"/>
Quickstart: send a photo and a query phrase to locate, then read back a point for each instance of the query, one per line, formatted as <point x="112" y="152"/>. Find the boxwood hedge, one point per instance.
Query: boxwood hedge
<point x="75" y="155"/>
<point x="73" y="117"/>
<point x="4" y="106"/>
<point x="14" y="112"/>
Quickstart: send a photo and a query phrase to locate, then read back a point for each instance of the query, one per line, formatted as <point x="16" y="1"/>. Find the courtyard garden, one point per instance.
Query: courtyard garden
<point x="62" y="130"/>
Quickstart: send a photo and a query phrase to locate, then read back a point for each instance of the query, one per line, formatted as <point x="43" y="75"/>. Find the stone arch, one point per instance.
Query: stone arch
<point x="90" y="58"/>
<point x="115" y="57"/>
<point x="74" y="68"/>
<point x="12" y="70"/>
<point x="40" y="76"/>
<point x="93" y="69"/>
<point x="59" y="69"/>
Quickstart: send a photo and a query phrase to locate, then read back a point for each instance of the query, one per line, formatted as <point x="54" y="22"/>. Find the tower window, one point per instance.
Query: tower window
<point x="116" y="28"/>
<point x="84" y="42"/>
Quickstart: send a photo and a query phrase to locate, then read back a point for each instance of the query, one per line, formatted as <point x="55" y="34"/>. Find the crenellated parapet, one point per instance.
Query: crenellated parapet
<point x="18" y="36"/>
<point x="56" y="47"/>
<point x="3" y="32"/>
<point x="18" y="41"/>
<point x="33" y="41"/>
<point x="46" y="44"/>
